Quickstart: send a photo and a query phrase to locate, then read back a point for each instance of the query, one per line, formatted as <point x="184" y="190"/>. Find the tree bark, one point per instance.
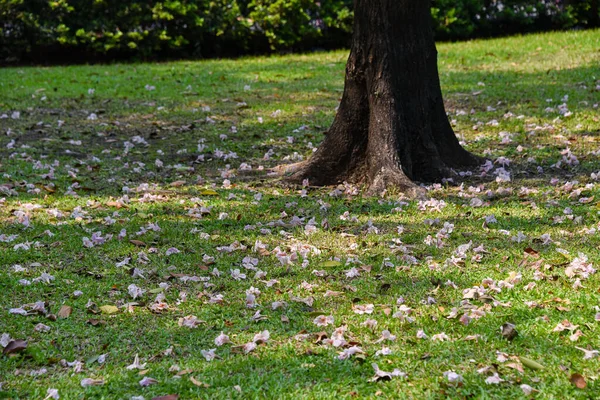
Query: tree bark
<point x="594" y="21"/>
<point x="391" y="127"/>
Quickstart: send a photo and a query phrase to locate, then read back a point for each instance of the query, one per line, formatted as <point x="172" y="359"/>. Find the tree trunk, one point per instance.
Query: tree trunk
<point x="594" y="21"/>
<point x="391" y="126"/>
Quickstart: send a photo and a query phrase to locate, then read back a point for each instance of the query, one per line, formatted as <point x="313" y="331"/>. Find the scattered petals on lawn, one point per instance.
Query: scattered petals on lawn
<point x="144" y="224"/>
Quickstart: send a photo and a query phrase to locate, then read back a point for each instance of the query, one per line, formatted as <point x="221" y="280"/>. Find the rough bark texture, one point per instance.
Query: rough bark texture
<point x="391" y="126"/>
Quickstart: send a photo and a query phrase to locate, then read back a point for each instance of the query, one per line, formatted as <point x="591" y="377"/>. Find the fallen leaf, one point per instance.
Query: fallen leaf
<point x="508" y="331"/>
<point x="209" y="192"/>
<point x="167" y="397"/>
<point x="116" y="204"/>
<point x="109" y="309"/>
<point x="138" y="243"/>
<point x="15" y="346"/>
<point x="320" y="336"/>
<point x="177" y="183"/>
<point x="531" y="364"/>
<point x="578" y="380"/>
<point x="329" y="264"/>
<point x="65" y="311"/>
<point x="516" y="366"/>
<point x="184" y="372"/>
<point x="198" y="383"/>
<point x="532" y="252"/>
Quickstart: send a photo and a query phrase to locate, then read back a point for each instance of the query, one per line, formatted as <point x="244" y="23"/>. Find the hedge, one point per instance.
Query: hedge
<point x="63" y="31"/>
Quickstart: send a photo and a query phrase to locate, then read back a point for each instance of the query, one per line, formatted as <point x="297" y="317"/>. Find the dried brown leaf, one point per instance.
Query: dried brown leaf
<point x="532" y="252"/>
<point x="508" y="331"/>
<point x="198" y="383"/>
<point x="65" y="311"/>
<point x="184" y="372"/>
<point x="578" y="380"/>
<point x="15" y="346"/>
<point x="320" y="336"/>
<point x="516" y="366"/>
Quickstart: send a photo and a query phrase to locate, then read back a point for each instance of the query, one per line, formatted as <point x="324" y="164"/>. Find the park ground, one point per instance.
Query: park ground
<point x="138" y="220"/>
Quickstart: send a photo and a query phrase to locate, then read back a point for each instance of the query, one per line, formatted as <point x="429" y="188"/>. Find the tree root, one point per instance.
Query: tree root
<point x="289" y="170"/>
<point x="388" y="178"/>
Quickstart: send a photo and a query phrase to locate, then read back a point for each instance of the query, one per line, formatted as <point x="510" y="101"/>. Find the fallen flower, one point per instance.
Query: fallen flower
<point x="440" y="337"/>
<point x="347" y="353"/>
<point x="5" y="340"/>
<point x="172" y="250"/>
<point x="222" y="339"/>
<point x="386" y="335"/>
<point x="136" y="364"/>
<point x="385" y="351"/>
<point x="52" y="394"/>
<point x="363" y="309"/>
<point x="527" y="390"/>
<point x="588" y="354"/>
<point x="383" y="375"/>
<point x="494" y="379"/>
<point x="147" y="381"/>
<point x="248" y="347"/>
<point x="261" y="337"/>
<point x="453" y="377"/>
<point x="41" y="328"/>
<point x="258" y="317"/>
<point x="370" y="323"/>
<point x="135" y="291"/>
<point x="190" y="321"/>
<point x="209" y="355"/>
<point x="86" y="382"/>
<point x="323" y="320"/>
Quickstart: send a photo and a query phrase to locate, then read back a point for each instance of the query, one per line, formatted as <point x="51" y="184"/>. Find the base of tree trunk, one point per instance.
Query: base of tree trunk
<point x="377" y="183"/>
<point x="391" y="128"/>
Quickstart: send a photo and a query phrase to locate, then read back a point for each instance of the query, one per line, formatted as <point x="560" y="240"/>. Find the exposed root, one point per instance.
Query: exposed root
<point x="288" y="171"/>
<point x="384" y="181"/>
<point x="387" y="178"/>
<point x="317" y="170"/>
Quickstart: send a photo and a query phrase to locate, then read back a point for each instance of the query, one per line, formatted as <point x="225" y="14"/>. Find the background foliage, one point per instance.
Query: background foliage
<point x="88" y="30"/>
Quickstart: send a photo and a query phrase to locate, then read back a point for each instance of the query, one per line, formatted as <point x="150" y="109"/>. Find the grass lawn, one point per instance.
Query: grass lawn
<point x="137" y="219"/>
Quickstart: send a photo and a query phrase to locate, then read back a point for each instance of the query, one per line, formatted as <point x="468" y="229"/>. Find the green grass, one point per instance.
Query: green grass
<point x="518" y="75"/>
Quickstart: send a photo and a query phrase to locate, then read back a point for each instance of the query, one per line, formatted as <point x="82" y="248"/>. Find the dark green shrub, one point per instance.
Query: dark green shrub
<point x="105" y="30"/>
